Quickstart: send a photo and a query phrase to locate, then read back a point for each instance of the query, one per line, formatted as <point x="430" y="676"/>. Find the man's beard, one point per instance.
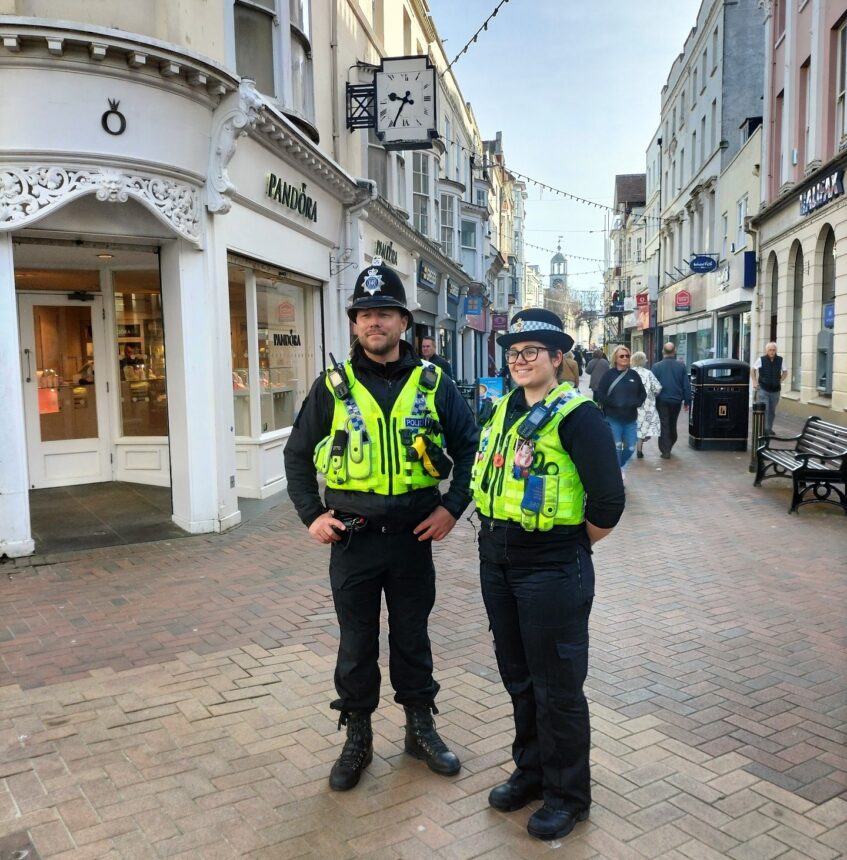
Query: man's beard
<point x="382" y="348"/>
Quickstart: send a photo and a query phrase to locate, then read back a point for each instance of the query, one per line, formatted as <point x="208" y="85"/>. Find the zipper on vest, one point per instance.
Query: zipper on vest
<point x="381" y="444"/>
<point x="396" y="443"/>
<point x="498" y="477"/>
<point x="485" y="480"/>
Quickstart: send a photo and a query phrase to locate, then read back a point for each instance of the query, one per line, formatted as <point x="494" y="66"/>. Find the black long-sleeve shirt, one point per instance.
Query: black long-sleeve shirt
<point x="384" y="382"/>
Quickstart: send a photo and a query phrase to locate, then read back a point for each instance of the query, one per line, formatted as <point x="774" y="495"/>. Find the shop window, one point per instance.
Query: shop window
<point x="797" y="320"/>
<point x="140" y="337"/>
<point x="420" y="192"/>
<point x="448" y="224"/>
<point x="828" y="274"/>
<point x="272" y="350"/>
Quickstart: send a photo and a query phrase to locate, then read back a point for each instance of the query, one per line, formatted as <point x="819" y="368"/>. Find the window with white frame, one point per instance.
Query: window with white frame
<point x="260" y="51"/>
<point x="638" y="250"/>
<point x="420" y="192"/>
<point x="468" y="239"/>
<point x="448" y="148"/>
<point x="401" y="181"/>
<point x="841" y="87"/>
<point x="254" y="42"/>
<point x="741" y="215"/>
<point x="714" y="140"/>
<point x="682" y="109"/>
<point x="704" y="69"/>
<point x="694" y="89"/>
<point x="715" y="51"/>
<point x="724" y="234"/>
<point x="481" y="197"/>
<point x="702" y="139"/>
<point x="377" y="163"/>
<point x="693" y="152"/>
<point x="448" y="224"/>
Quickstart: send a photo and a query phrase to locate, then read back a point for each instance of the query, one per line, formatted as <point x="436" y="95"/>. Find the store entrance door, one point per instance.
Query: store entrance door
<point x="64" y="353"/>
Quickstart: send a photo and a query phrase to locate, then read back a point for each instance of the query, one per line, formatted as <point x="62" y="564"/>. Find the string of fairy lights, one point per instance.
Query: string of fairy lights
<point x="473" y="39"/>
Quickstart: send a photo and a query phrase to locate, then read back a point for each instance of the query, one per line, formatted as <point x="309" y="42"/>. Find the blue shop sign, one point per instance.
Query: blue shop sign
<point x="703" y="263"/>
<point x="829" y="315"/>
<point x="473" y="306"/>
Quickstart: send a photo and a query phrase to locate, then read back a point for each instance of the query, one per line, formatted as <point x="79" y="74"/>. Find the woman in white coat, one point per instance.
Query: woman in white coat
<point x="647" y="423"/>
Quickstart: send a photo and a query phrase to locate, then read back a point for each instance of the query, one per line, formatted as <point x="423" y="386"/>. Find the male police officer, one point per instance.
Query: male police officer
<point x="378" y="427"/>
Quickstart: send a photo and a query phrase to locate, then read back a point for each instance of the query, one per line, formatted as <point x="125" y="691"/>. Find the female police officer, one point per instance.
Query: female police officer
<point x="547" y="486"/>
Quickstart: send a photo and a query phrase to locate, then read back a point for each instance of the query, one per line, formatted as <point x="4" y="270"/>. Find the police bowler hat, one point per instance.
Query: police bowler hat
<point x="536" y="324"/>
<point x="378" y="286"/>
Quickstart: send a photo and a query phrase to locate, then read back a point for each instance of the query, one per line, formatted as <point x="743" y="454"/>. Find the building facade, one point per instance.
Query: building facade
<point x="180" y="235"/>
<point x="801" y="228"/>
<point x="710" y="107"/>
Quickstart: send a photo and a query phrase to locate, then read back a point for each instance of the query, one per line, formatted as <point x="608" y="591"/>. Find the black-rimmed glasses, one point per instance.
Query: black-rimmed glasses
<point x="529" y="353"/>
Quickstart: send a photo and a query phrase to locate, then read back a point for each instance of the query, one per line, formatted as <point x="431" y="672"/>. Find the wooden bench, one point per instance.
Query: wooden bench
<point x="816" y="463"/>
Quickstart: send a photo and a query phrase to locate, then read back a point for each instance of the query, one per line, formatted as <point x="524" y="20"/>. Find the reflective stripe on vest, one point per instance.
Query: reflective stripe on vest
<point x="374" y="457"/>
<point x="499" y="494"/>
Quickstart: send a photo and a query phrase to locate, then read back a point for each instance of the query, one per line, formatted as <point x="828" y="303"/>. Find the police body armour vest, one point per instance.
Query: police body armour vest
<point x="366" y="453"/>
<point x="500" y="494"/>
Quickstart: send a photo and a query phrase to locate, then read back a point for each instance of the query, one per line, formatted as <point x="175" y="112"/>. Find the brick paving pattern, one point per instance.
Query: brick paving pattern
<point x="171" y="699"/>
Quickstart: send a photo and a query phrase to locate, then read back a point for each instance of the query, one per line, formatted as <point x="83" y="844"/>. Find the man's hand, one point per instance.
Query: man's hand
<point x="323" y="528"/>
<point x="436" y="526"/>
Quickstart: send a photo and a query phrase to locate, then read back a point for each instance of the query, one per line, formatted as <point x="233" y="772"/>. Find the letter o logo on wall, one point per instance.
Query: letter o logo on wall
<point x="113" y="121"/>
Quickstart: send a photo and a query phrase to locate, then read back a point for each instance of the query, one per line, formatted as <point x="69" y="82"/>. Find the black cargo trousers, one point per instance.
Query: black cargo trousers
<point x="383" y="558"/>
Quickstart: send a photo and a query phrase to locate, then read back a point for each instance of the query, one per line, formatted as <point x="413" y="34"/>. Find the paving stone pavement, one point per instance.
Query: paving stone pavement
<point x="171" y="699"/>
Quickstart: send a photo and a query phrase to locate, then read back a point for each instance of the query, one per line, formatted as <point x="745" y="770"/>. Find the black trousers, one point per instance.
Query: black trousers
<point x="401" y="566"/>
<point x="539" y="618"/>
<point x="668" y="415"/>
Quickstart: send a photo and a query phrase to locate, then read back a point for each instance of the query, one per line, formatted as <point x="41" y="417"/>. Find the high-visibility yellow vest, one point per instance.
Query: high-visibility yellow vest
<point x="379" y="456"/>
<point x="501" y="493"/>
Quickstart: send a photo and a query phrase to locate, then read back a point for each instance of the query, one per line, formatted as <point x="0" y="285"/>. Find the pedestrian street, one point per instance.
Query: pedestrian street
<point x="171" y="699"/>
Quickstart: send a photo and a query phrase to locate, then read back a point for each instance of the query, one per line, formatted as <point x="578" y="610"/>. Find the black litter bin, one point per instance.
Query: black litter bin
<point x="720" y="397"/>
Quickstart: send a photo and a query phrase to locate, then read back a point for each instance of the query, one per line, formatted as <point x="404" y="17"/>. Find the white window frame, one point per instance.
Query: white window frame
<point x="448" y="206"/>
<point x="841" y="86"/>
<point x="740" y="215"/>
<point x="422" y="220"/>
<point x="468" y="250"/>
<point x="725" y="240"/>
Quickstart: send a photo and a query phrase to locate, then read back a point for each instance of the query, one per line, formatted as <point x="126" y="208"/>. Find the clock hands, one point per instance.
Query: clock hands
<point x="404" y="100"/>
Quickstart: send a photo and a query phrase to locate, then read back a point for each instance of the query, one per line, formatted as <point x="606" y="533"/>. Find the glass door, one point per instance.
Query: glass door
<point x="65" y="390"/>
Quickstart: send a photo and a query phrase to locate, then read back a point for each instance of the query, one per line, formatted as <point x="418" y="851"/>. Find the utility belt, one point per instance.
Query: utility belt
<point x="770" y="389"/>
<point x="492" y="524"/>
<point x="355" y="523"/>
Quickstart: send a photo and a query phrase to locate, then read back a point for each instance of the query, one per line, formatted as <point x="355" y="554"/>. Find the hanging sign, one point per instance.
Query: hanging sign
<point x="682" y="301"/>
<point x="641" y="300"/>
<point x="427" y="276"/>
<point x="473" y="306"/>
<point x="702" y="263"/>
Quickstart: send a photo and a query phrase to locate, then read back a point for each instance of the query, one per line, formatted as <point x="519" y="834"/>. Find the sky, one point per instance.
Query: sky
<point x="575" y="88"/>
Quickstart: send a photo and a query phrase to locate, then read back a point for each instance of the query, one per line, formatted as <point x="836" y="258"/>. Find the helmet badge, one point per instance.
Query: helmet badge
<point x="372" y="282"/>
<point x="517" y="325"/>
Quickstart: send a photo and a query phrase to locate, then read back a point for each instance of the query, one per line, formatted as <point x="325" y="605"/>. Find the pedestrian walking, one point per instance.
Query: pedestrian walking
<point x="619" y="394"/>
<point x="379" y="427"/>
<point x="579" y="358"/>
<point x="569" y="370"/>
<point x="676" y="391"/>
<point x="647" y="423"/>
<point x="547" y="486"/>
<point x="428" y="352"/>
<point x="768" y="373"/>
<point x="596" y="370"/>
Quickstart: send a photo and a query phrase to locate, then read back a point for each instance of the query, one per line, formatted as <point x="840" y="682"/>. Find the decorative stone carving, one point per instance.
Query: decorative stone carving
<point x="766" y="6"/>
<point x="235" y="115"/>
<point x="29" y="194"/>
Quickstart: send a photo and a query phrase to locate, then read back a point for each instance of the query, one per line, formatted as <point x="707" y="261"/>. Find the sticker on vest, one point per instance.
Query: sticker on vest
<point x="416" y="423"/>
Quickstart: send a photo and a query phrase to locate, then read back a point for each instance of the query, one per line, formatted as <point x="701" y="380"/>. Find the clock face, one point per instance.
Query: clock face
<point x="405" y="103"/>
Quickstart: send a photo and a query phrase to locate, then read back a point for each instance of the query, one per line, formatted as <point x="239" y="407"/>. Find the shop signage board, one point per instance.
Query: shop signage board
<point x="295" y="198"/>
<point x="499" y="322"/>
<point x="453" y="290"/>
<point x="702" y="263"/>
<point x="473" y="306"/>
<point x="822" y="192"/>
<point x="387" y="251"/>
<point x="427" y="275"/>
<point x="829" y="315"/>
<point x="682" y="301"/>
<point x="641" y="300"/>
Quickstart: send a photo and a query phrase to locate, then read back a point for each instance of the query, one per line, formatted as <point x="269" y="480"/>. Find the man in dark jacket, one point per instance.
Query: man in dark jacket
<point x="676" y="390"/>
<point x="378" y="427"/>
<point x="428" y="351"/>
<point x="768" y="373"/>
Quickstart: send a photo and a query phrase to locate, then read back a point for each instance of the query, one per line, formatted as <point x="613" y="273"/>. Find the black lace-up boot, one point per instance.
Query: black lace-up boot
<point x="423" y="742"/>
<point x="358" y="751"/>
